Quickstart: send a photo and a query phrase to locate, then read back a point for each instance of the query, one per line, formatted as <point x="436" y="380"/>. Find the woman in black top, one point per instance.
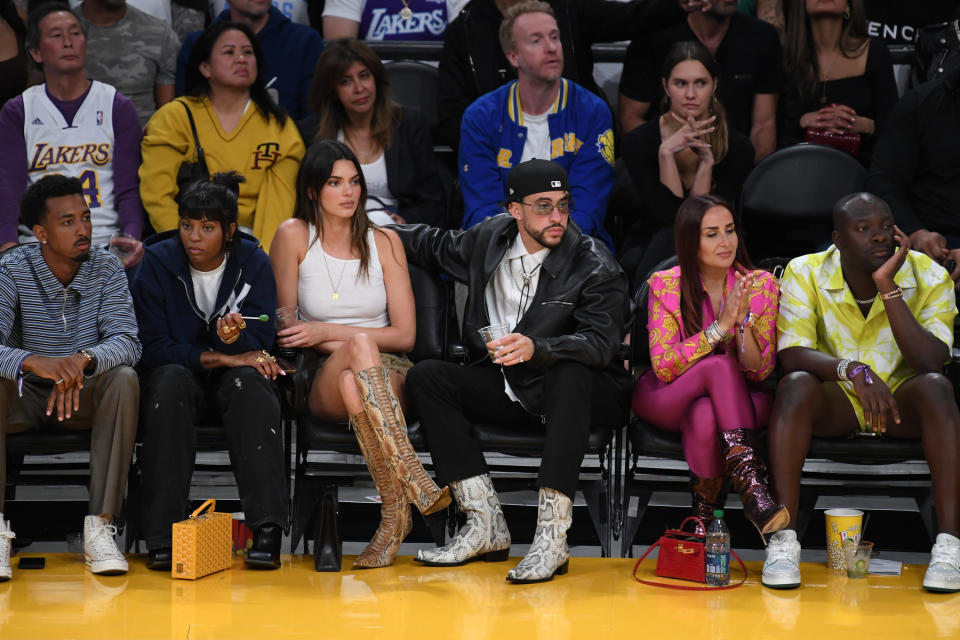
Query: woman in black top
<point x="351" y="98"/>
<point x="13" y="55"/>
<point x="839" y="80"/>
<point x="688" y="151"/>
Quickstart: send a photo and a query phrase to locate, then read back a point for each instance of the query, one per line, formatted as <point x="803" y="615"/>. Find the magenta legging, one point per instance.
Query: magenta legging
<point x="709" y="397"/>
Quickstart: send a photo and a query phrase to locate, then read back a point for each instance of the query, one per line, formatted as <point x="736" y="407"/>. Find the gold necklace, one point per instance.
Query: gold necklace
<point x="336" y="289"/>
<point x="826" y="78"/>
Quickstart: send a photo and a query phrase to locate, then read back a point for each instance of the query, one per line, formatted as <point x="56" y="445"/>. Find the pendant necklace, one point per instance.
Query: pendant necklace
<point x="406" y="13"/>
<point x="336" y="289"/>
<point x="826" y="78"/>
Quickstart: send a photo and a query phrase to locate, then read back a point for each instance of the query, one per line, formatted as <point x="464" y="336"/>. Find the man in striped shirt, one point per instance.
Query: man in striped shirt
<point x="68" y="343"/>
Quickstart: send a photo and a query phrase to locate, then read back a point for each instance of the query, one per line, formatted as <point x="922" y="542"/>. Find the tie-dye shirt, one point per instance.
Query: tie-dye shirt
<point x="817" y="310"/>
<point x="672" y="351"/>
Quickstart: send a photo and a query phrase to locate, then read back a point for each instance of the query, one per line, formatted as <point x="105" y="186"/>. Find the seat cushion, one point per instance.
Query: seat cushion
<point x="46" y="441"/>
<point x="865" y="450"/>
<point x="321" y="435"/>
<point x="522" y="440"/>
<point x="647" y="440"/>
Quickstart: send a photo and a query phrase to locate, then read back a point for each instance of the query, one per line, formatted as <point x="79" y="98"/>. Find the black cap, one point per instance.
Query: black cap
<point x="535" y="176"/>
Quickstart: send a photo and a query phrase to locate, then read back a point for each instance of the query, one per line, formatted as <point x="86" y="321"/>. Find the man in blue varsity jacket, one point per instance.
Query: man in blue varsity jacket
<point x="68" y="343"/>
<point x="540" y="115"/>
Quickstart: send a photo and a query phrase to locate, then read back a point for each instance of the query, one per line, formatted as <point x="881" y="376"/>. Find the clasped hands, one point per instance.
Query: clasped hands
<point x="67" y="376"/>
<point x="737" y="305"/>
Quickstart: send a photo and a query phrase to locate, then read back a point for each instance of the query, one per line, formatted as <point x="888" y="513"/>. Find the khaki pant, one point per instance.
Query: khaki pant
<point x="109" y="404"/>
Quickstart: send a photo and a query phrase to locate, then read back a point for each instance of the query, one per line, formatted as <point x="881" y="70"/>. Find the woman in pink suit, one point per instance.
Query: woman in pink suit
<point x="712" y="332"/>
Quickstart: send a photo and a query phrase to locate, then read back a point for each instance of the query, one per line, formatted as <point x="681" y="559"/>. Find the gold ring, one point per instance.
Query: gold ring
<point x="227" y="328"/>
<point x="266" y="354"/>
<point x="259" y="360"/>
<point x="230" y="340"/>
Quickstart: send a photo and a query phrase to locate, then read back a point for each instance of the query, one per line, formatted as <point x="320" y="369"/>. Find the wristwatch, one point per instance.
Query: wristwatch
<point x="91" y="359"/>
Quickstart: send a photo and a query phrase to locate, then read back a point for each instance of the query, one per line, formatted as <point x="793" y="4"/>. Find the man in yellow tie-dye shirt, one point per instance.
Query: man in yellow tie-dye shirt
<point x="865" y="328"/>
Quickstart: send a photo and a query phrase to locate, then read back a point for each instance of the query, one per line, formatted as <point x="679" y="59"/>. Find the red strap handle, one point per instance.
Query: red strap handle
<point x="743" y="568"/>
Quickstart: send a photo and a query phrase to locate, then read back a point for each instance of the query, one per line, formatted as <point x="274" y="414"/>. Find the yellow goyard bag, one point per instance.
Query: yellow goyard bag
<point x="202" y="544"/>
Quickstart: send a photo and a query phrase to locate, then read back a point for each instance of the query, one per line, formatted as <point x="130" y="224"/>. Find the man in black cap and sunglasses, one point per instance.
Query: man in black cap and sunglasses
<point x="563" y="299"/>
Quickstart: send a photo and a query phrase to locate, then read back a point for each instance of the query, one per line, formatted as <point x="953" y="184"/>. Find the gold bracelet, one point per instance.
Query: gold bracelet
<point x="896" y="293"/>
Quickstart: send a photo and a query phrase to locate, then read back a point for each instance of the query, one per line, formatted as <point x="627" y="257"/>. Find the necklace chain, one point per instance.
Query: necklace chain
<point x="336" y="289"/>
<point x="867" y="301"/>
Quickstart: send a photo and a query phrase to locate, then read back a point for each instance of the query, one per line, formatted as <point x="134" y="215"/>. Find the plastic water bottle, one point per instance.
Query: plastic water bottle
<point x="718" y="551"/>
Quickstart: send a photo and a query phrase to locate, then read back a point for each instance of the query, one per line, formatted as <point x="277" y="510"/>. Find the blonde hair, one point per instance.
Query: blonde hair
<point x="514" y="12"/>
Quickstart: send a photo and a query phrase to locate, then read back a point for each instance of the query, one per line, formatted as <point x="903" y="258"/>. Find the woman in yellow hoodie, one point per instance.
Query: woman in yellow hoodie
<point x="240" y="128"/>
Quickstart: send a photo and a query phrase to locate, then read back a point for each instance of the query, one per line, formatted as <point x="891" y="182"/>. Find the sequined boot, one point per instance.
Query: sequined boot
<point x="395" y="518"/>
<point x="386" y="418"/>
<point x="484" y="536"/>
<point x="549" y="554"/>
<point x="747" y="475"/>
<point x="706" y="495"/>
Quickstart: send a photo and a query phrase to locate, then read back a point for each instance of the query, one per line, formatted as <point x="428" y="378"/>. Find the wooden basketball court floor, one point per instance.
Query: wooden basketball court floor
<point x="597" y="599"/>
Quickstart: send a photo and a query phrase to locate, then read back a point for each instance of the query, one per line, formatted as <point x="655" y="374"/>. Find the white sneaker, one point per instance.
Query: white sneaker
<point x="943" y="574"/>
<point x="781" y="569"/>
<point x="100" y="550"/>
<point x="6" y="541"/>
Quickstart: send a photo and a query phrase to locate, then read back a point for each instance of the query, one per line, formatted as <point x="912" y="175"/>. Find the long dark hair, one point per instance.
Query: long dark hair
<point x="799" y="55"/>
<point x="693" y="50"/>
<point x="336" y="58"/>
<point x="8" y="11"/>
<point x="197" y="85"/>
<point x="686" y="232"/>
<point x="315" y="169"/>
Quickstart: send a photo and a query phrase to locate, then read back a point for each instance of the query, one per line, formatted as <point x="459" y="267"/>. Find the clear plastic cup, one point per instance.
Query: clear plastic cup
<point x="491" y="333"/>
<point x="857" y="557"/>
<point x="287" y="317"/>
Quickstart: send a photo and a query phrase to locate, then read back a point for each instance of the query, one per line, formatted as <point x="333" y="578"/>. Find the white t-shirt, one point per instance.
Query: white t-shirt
<point x="206" y="284"/>
<point x="538" y="137"/>
<point x="379" y="199"/>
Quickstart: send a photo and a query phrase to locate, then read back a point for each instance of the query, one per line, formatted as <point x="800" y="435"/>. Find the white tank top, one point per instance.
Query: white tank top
<point x="359" y="302"/>
<point x="83" y="149"/>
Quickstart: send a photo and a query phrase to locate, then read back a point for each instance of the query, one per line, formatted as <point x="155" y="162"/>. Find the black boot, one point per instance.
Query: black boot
<point x="265" y="552"/>
<point x="160" y="559"/>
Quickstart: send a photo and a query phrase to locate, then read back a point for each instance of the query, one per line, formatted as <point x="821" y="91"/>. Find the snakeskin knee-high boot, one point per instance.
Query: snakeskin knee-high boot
<point x="395" y="519"/>
<point x="386" y="418"/>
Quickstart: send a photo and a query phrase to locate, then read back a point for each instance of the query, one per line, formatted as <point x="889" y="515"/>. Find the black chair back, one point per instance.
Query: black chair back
<point x="787" y="200"/>
<point x="431" y="300"/>
<point x="415" y="84"/>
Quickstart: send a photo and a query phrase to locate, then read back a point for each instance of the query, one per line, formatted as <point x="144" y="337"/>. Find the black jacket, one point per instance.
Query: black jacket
<point x="411" y="167"/>
<point x="472" y="62"/>
<point x="916" y="161"/>
<point x="578" y="312"/>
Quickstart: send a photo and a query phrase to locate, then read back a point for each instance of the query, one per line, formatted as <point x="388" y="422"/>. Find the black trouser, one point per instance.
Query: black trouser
<point x="173" y="402"/>
<point x="449" y="397"/>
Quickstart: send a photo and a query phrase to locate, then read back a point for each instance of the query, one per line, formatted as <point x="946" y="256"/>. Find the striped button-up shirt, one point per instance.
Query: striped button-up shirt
<point x="39" y="315"/>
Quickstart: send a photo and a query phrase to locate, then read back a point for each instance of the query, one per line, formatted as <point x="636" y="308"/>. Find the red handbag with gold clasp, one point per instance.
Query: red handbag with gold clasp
<point x="682" y="556"/>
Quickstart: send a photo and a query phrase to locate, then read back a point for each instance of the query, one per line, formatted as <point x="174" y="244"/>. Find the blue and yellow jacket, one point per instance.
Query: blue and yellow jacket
<point x="492" y="136"/>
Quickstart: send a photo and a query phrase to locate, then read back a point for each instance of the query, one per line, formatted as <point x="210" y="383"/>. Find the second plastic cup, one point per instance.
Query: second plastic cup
<point x="491" y="333"/>
<point x="857" y="557"/>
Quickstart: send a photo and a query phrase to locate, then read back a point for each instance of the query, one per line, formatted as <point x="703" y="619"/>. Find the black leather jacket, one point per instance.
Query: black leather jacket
<point x="578" y="312"/>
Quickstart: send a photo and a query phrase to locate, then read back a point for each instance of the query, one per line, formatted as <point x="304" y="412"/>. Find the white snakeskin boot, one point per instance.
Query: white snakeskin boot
<point x="548" y="555"/>
<point x="484" y="536"/>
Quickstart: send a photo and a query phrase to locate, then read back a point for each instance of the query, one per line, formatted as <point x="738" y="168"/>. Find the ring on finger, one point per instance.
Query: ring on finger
<point x="60" y="381"/>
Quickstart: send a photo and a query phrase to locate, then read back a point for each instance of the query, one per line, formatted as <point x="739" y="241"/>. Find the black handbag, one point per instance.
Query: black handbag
<point x="191" y="172"/>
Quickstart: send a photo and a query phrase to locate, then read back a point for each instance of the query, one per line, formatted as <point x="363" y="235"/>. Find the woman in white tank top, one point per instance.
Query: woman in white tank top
<point x="350" y="281"/>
